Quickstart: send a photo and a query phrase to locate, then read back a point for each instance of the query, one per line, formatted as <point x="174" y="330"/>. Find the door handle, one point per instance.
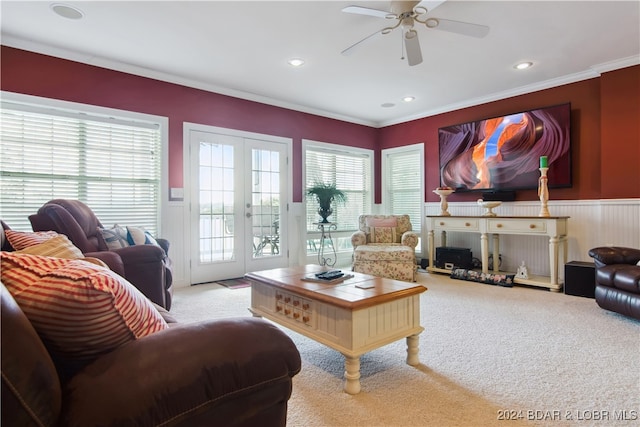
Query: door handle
<point x="249" y="215"/>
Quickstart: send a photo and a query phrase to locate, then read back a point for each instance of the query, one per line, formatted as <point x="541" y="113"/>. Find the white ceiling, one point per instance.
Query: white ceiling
<point x="241" y="48"/>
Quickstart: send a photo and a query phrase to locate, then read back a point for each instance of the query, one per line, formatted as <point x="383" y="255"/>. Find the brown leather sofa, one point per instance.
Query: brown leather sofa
<point x="618" y="279"/>
<point x="147" y="267"/>
<point x="235" y="372"/>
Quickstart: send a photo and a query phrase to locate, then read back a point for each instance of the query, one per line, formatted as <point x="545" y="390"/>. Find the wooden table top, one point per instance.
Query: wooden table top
<point x="344" y="294"/>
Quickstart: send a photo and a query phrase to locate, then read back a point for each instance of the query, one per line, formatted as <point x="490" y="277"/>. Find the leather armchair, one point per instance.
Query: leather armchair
<point x="147" y="267"/>
<point x="233" y="372"/>
<point x="618" y="279"/>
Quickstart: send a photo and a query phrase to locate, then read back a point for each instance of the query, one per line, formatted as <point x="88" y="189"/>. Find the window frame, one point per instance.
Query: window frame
<point x="385" y="154"/>
<point x="329" y="148"/>
<point x="76" y="110"/>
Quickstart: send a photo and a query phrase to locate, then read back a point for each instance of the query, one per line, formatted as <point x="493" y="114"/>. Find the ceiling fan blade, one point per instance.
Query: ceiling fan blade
<point x="414" y="53"/>
<point x="367" y="11"/>
<point x="430" y="4"/>
<point x="459" y="27"/>
<point x="348" y="51"/>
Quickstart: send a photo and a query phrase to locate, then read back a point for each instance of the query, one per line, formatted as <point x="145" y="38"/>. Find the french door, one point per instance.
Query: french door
<point x="238" y="204"/>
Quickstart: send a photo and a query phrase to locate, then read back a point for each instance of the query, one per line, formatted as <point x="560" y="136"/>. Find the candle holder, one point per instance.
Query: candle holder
<point x="443" y="200"/>
<point x="543" y="192"/>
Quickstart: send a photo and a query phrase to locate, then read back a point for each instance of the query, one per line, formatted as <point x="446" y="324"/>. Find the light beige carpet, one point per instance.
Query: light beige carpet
<point x="486" y="353"/>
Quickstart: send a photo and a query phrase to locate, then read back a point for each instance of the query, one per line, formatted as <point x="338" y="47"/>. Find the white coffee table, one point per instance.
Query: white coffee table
<point x="353" y="317"/>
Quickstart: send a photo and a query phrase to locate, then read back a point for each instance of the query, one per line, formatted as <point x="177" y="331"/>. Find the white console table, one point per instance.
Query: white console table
<point x="554" y="227"/>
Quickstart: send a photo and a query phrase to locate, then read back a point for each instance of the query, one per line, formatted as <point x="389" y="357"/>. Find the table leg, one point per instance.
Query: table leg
<point x="352" y="374"/>
<point x="565" y="255"/>
<point x="496" y="252"/>
<point x="412" y="350"/>
<point x="484" y="251"/>
<point x="432" y="248"/>
<point x="553" y="261"/>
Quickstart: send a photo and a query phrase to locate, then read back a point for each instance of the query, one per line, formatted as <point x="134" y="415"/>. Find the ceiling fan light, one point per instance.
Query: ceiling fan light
<point x="407" y="22"/>
<point x="432" y="23"/>
<point x="420" y="10"/>
<point x="410" y="34"/>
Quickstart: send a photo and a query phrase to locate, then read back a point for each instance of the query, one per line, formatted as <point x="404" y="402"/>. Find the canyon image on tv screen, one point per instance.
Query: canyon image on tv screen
<point x="503" y="153"/>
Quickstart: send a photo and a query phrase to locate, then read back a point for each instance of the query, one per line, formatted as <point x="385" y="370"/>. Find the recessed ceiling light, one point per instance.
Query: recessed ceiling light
<point x="67" y="11"/>
<point x="523" y="65"/>
<point x="388" y="105"/>
<point x="296" y="62"/>
<point x="408" y="98"/>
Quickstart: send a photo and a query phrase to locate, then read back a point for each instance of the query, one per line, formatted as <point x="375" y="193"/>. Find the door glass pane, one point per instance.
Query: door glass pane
<point x="265" y="198"/>
<point x="216" y="202"/>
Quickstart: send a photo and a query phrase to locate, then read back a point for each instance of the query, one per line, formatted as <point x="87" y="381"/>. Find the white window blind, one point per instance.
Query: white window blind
<point x="111" y="164"/>
<point x="350" y="171"/>
<point x="404" y="184"/>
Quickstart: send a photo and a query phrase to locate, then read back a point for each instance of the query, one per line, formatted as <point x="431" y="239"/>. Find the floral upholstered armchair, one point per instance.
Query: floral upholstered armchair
<point x="384" y="246"/>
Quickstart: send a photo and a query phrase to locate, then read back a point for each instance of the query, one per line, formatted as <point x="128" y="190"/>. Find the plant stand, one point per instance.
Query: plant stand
<point x="327" y="259"/>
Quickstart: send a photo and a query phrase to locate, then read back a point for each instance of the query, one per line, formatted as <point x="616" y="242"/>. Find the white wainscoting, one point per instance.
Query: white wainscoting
<point x="175" y="229"/>
<point x="592" y="223"/>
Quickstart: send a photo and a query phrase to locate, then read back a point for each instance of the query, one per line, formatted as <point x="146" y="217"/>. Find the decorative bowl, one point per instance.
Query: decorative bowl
<point x="444" y="192"/>
<point x="489" y="205"/>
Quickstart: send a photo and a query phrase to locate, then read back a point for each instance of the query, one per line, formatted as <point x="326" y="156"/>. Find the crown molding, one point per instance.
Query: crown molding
<point x="592" y="72"/>
<point x="97" y="61"/>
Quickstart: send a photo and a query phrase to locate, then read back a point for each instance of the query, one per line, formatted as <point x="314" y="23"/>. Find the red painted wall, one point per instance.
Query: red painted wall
<point x="45" y="76"/>
<point x="605" y="121"/>
<point x="620" y="133"/>
<point x="605" y="125"/>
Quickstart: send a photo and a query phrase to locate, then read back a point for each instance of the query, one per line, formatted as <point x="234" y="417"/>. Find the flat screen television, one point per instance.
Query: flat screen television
<point x="503" y="153"/>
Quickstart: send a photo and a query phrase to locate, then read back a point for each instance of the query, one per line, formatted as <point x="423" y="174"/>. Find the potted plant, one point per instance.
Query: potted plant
<point x="325" y="194"/>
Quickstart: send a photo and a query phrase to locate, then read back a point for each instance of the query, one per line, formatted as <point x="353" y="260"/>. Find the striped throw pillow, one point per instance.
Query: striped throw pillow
<point x="80" y="310"/>
<point x="59" y="247"/>
<point x="23" y="239"/>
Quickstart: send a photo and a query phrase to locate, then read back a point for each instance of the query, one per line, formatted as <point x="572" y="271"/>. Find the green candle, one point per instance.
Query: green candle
<point x="544" y="162"/>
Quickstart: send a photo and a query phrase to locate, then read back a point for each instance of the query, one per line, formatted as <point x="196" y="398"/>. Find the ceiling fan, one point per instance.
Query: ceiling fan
<point x="406" y="15"/>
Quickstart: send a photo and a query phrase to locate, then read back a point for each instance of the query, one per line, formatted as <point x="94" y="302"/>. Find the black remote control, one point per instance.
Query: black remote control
<point x="330" y="275"/>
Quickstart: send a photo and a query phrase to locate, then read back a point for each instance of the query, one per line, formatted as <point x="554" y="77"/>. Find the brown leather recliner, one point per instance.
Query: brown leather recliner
<point x="235" y="372"/>
<point x="618" y="279"/>
<point x="147" y="267"/>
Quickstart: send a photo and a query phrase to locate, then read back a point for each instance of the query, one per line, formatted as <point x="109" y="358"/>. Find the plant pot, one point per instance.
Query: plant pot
<point x="324" y="213"/>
